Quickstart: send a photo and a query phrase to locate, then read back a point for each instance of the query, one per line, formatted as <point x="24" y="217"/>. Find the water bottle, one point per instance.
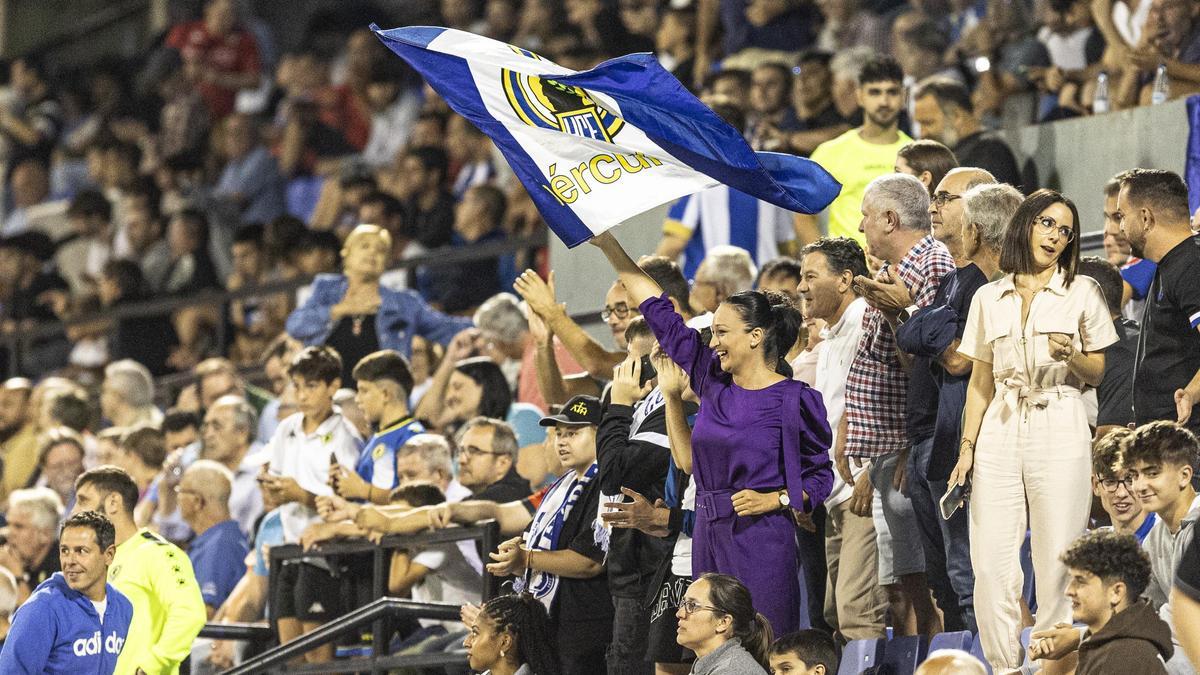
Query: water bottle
<point x="1162" y="86"/>
<point x="1100" y="100"/>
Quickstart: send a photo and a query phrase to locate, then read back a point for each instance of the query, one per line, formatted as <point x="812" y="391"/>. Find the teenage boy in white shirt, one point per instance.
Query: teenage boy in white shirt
<point x="301" y="452"/>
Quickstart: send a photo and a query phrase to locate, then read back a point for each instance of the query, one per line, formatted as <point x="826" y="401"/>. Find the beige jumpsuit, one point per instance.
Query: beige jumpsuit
<point x="1032" y="452"/>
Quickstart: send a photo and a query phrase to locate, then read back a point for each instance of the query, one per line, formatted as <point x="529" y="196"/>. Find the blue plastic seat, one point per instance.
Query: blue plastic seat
<point x="1025" y="644"/>
<point x="860" y="655"/>
<point x="901" y="655"/>
<point x="960" y="640"/>
<point x="977" y="652"/>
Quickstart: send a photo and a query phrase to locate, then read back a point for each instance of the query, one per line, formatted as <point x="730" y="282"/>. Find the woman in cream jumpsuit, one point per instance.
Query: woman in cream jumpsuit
<point x="1037" y="336"/>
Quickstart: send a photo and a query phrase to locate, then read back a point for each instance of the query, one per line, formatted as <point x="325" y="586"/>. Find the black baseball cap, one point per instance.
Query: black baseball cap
<point x="580" y="410"/>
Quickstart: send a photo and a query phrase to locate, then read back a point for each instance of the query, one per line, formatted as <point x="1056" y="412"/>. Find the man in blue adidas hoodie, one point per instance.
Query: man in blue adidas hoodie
<point x="74" y="622"/>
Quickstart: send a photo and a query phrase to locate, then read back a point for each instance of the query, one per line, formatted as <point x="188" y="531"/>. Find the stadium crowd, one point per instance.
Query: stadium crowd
<point x="922" y="412"/>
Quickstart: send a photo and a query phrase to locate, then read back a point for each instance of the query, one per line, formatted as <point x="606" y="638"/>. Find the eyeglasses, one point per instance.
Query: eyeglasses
<point x="180" y="490"/>
<point x="1047" y="225"/>
<point x="622" y="310"/>
<point x="940" y="199"/>
<point x="472" y="451"/>
<point x="1110" y="484"/>
<point x="690" y="607"/>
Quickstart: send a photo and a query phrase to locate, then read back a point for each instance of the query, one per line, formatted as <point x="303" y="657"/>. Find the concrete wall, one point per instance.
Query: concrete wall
<point x="583" y="276"/>
<point x="1074" y="156"/>
<point x="1078" y="156"/>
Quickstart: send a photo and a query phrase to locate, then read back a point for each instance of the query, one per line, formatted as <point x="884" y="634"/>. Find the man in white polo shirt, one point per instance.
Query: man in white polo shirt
<point x="855" y="604"/>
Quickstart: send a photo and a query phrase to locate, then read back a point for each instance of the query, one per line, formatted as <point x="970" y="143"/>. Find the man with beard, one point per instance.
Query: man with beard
<point x="944" y="112"/>
<point x="1153" y="210"/>
<point x="861" y="155"/>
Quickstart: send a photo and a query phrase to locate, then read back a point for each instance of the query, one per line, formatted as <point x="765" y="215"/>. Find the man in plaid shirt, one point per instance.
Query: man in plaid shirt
<point x="897" y="228"/>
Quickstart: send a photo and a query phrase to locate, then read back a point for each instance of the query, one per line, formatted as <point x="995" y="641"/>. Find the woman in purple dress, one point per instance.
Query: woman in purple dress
<point x="761" y="440"/>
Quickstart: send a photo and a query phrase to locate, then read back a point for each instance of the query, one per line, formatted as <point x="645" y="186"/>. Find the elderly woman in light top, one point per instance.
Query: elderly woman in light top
<point x="355" y="314"/>
<point x="717" y="621"/>
<point x="1037" y="337"/>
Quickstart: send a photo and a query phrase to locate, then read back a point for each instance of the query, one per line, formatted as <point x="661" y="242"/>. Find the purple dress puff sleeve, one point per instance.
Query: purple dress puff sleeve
<point x="806" y="440"/>
<point x="680" y="343"/>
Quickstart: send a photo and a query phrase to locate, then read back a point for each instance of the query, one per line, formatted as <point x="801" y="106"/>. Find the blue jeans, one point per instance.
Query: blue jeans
<point x="947" y="544"/>
<point x="810" y="551"/>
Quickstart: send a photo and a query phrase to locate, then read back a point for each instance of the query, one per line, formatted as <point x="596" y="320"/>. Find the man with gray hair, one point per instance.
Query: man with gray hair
<point x="896" y="225"/>
<point x="219" y="549"/>
<point x="725" y="270"/>
<point x="951" y="662"/>
<point x="487" y="460"/>
<point x="501" y="320"/>
<point x="426" y="458"/>
<point x="127" y="395"/>
<point x="227" y="438"/>
<point x="31" y="549"/>
<point x="938" y="382"/>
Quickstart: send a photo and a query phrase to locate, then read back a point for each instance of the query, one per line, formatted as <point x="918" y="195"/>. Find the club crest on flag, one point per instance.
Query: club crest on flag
<point x="549" y="104"/>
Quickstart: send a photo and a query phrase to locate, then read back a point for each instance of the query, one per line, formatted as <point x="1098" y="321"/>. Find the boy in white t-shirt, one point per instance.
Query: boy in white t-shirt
<point x="300" y="452"/>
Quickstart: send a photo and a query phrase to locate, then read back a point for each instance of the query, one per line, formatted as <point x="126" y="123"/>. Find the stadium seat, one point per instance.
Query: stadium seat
<point x="977" y="652"/>
<point x="901" y="655"/>
<point x="860" y="655"/>
<point x="1028" y="587"/>
<point x="954" y="640"/>
<point x="1025" y="643"/>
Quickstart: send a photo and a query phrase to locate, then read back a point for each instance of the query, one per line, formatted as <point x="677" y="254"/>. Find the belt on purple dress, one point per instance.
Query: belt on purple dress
<point x="716" y="504"/>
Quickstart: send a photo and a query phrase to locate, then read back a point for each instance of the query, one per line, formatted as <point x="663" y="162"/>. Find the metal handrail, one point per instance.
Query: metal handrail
<point x="374" y="612"/>
<point x="248" y="632"/>
<point x="486" y="532"/>
<point x="165" y="305"/>
<point x="161" y="306"/>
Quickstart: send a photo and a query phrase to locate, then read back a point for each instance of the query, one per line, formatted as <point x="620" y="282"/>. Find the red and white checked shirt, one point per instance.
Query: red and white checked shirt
<point x="877" y="384"/>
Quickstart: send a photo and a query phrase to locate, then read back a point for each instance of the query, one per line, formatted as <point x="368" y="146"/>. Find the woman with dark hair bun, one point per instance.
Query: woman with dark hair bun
<point x="717" y="621"/>
<point x="761" y="441"/>
<point x="511" y="636"/>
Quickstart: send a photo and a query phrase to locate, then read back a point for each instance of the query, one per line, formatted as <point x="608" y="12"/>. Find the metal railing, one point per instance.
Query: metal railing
<point x="379" y="613"/>
<point x="15" y="343"/>
<point x="376" y="612"/>
<point x="245" y="632"/>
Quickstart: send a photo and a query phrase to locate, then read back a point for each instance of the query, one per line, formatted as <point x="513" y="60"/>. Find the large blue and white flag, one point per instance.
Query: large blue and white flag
<point x="595" y="148"/>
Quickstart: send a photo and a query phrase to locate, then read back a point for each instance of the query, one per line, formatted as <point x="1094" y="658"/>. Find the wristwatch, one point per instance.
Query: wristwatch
<point x="784" y="500"/>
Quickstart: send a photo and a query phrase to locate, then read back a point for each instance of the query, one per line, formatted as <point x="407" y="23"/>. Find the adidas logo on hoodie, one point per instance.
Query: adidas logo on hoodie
<point x="58" y="631"/>
<point x="91" y="646"/>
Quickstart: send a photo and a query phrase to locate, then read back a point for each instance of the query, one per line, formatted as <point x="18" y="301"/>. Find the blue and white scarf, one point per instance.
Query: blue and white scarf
<point x="547" y="526"/>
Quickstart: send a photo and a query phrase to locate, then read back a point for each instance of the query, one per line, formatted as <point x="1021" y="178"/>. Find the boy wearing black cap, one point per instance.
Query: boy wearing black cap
<point x="556" y="557"/>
